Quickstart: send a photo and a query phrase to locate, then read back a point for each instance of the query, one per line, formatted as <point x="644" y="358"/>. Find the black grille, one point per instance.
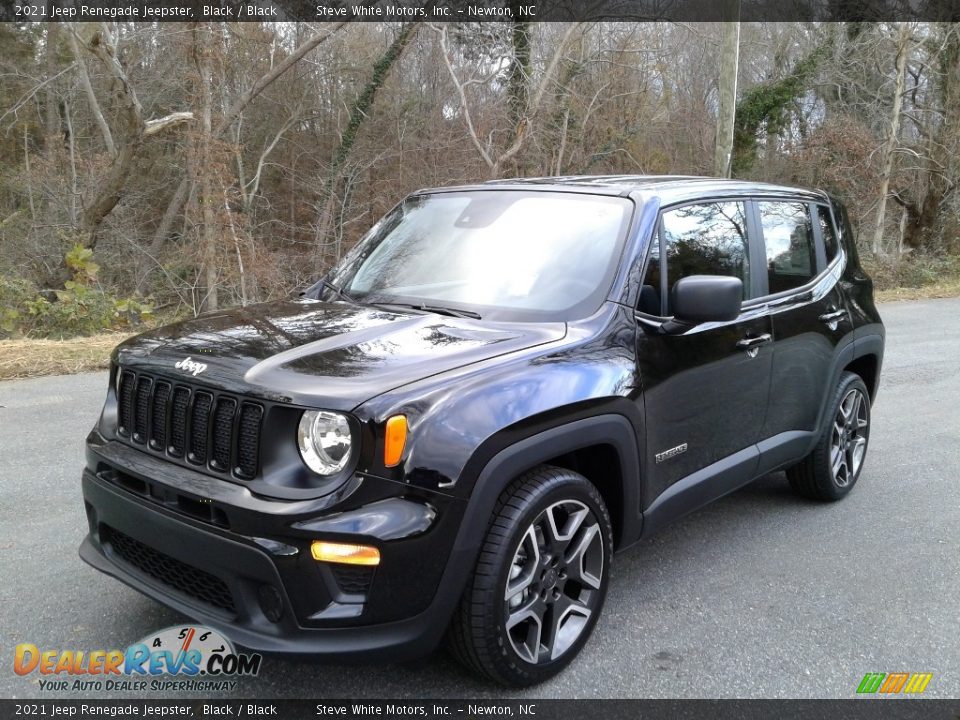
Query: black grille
<point x="352" y="580"/>
<point x="158" y="428"/>
<point x="144" y="386"/>
<point x="248" y="441"/>
<point x="223" y="433"/>
<point x="178" y="422"/>
<point x="200" y="427"/>
<point x="185" y="578"/>
<point x="128" y="382"/>
<point x="208" y="429"/>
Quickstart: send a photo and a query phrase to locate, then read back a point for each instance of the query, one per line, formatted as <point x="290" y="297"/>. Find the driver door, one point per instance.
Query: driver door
<point x="705" y="388"/>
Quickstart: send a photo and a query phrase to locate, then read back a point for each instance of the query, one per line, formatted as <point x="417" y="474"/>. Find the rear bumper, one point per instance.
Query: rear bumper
<point x="267" y="593"/>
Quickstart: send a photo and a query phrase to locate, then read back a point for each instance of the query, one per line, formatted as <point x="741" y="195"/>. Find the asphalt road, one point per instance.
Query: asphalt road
<point x="759" y="595"/>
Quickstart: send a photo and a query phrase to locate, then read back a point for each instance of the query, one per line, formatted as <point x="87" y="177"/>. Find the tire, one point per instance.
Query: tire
<point x="528" y="631"/>
<point x="832" y="469"/>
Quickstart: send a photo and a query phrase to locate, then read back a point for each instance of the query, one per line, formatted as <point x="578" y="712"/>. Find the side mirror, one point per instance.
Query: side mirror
<point x="706" y="298"/>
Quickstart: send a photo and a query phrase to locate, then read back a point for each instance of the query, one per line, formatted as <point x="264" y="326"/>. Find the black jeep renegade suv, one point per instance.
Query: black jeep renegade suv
<point x="496" y="389"/>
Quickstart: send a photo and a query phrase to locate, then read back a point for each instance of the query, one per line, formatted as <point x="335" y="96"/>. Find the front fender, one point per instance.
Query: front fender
<point x="459" y="420"/>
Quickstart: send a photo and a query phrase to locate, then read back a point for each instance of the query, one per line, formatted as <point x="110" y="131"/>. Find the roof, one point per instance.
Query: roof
<point x="669" y="188"/>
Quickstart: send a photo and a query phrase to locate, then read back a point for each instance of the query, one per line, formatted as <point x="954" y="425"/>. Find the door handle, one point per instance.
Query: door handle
<point x="832" y="317"/>
<point x="754" y="342"/>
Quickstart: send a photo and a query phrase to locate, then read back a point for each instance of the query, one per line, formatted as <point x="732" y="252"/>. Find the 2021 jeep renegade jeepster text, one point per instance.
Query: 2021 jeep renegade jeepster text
<point x="500" y="385"/>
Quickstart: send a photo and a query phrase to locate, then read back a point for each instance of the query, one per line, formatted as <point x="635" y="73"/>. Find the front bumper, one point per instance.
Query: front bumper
<point x="244" y="567"/>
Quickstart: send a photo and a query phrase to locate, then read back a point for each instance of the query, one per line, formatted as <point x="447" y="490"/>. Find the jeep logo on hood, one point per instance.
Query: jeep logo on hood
<point x="190" y="366"/>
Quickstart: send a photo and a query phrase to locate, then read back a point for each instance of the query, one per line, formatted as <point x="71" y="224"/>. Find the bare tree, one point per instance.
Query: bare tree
<point x="359" y="113"/>
<point x="132" y="131"/>
<point x="903" y="43"/>
<point x="175" y="206"/>
<point x="526" y="118"/>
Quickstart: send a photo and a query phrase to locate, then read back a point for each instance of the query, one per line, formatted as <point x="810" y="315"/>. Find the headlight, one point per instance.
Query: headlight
<point x="324" y="440"/>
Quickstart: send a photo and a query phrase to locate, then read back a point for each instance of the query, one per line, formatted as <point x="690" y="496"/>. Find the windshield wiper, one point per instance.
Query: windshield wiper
<point x="339" y="292"/>
<point x="437" y="309"/>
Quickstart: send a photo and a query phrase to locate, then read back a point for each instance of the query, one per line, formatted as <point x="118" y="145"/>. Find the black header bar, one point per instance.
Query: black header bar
<point x="407" y="709"/>
<point x="478" y="10"/>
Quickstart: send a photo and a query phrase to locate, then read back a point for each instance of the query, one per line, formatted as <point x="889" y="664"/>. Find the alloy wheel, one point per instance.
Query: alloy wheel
<point x="849" y="441"/>
<point x="553" y="585"/>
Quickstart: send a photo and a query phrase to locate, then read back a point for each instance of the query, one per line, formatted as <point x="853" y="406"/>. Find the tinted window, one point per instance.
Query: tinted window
<point x="829" y="234"/>
<point x="791" y="253"/>
<point x="707" y="239"/>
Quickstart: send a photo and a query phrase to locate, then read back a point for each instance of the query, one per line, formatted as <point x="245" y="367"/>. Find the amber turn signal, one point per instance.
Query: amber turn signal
<point x="394" y="440"/>
<point x="344" y="553"/>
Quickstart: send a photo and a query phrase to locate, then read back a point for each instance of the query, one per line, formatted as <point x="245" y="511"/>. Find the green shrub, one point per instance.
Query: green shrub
<point x="14" y="293"/>
<point x="81" y="308"/>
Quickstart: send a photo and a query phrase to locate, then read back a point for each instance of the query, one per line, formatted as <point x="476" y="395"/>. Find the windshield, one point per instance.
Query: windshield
<point x="502" y="254"/>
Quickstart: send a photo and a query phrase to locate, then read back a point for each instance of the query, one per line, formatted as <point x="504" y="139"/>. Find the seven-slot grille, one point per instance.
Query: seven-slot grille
<point x="218" y="431"/>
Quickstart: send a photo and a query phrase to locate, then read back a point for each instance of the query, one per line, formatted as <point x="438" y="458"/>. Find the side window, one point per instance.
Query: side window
<point x="708" y="239"/>
<point x="788" y="236"/>
<point x="705" y="239"/>
<point x="829" y="235"/>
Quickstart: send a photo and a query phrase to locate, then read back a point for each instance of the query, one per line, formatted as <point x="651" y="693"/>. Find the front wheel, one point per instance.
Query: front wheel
<point x="834" y="466"/>
<point x="540" y="581"/>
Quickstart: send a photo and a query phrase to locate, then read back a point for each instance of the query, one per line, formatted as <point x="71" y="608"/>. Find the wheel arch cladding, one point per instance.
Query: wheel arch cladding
<point x="868" y="361"/>
<point x="602" y="448"/>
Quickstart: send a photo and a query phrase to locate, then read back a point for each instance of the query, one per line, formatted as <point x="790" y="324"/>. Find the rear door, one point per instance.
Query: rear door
<point x="704" y="390"/>
<point x="808" y="312"/>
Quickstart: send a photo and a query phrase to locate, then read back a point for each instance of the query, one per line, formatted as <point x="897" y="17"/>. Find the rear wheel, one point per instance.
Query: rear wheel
<point x="834" y="466"/>
<point x="540" y="580"/>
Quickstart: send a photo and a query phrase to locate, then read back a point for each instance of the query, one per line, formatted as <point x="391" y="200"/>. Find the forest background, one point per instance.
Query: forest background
<point x="153" y="171"/>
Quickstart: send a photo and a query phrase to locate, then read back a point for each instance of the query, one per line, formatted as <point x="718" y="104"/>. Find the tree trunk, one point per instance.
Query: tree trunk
<point x="51" y="119"/>
<point x="890" y="147"/>
<point x="131" y="130"/>
<point x="727" y="90"/>
<point x="72" y="156"/>
<point x="203" y="47"/>
<point x="943" y="153"/>
<point x="518" y="83"/>
<point x="87" y="86"/>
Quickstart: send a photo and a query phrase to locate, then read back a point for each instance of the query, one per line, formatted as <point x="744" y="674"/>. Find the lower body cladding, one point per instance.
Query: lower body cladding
<point x="251" y="574"/>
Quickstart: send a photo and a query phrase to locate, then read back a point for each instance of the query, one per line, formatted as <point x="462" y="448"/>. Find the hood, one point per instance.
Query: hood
<point x="335" y="355"/>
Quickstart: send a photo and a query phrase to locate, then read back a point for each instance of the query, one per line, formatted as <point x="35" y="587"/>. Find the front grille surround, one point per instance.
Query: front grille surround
<point x="189" y="424"/>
